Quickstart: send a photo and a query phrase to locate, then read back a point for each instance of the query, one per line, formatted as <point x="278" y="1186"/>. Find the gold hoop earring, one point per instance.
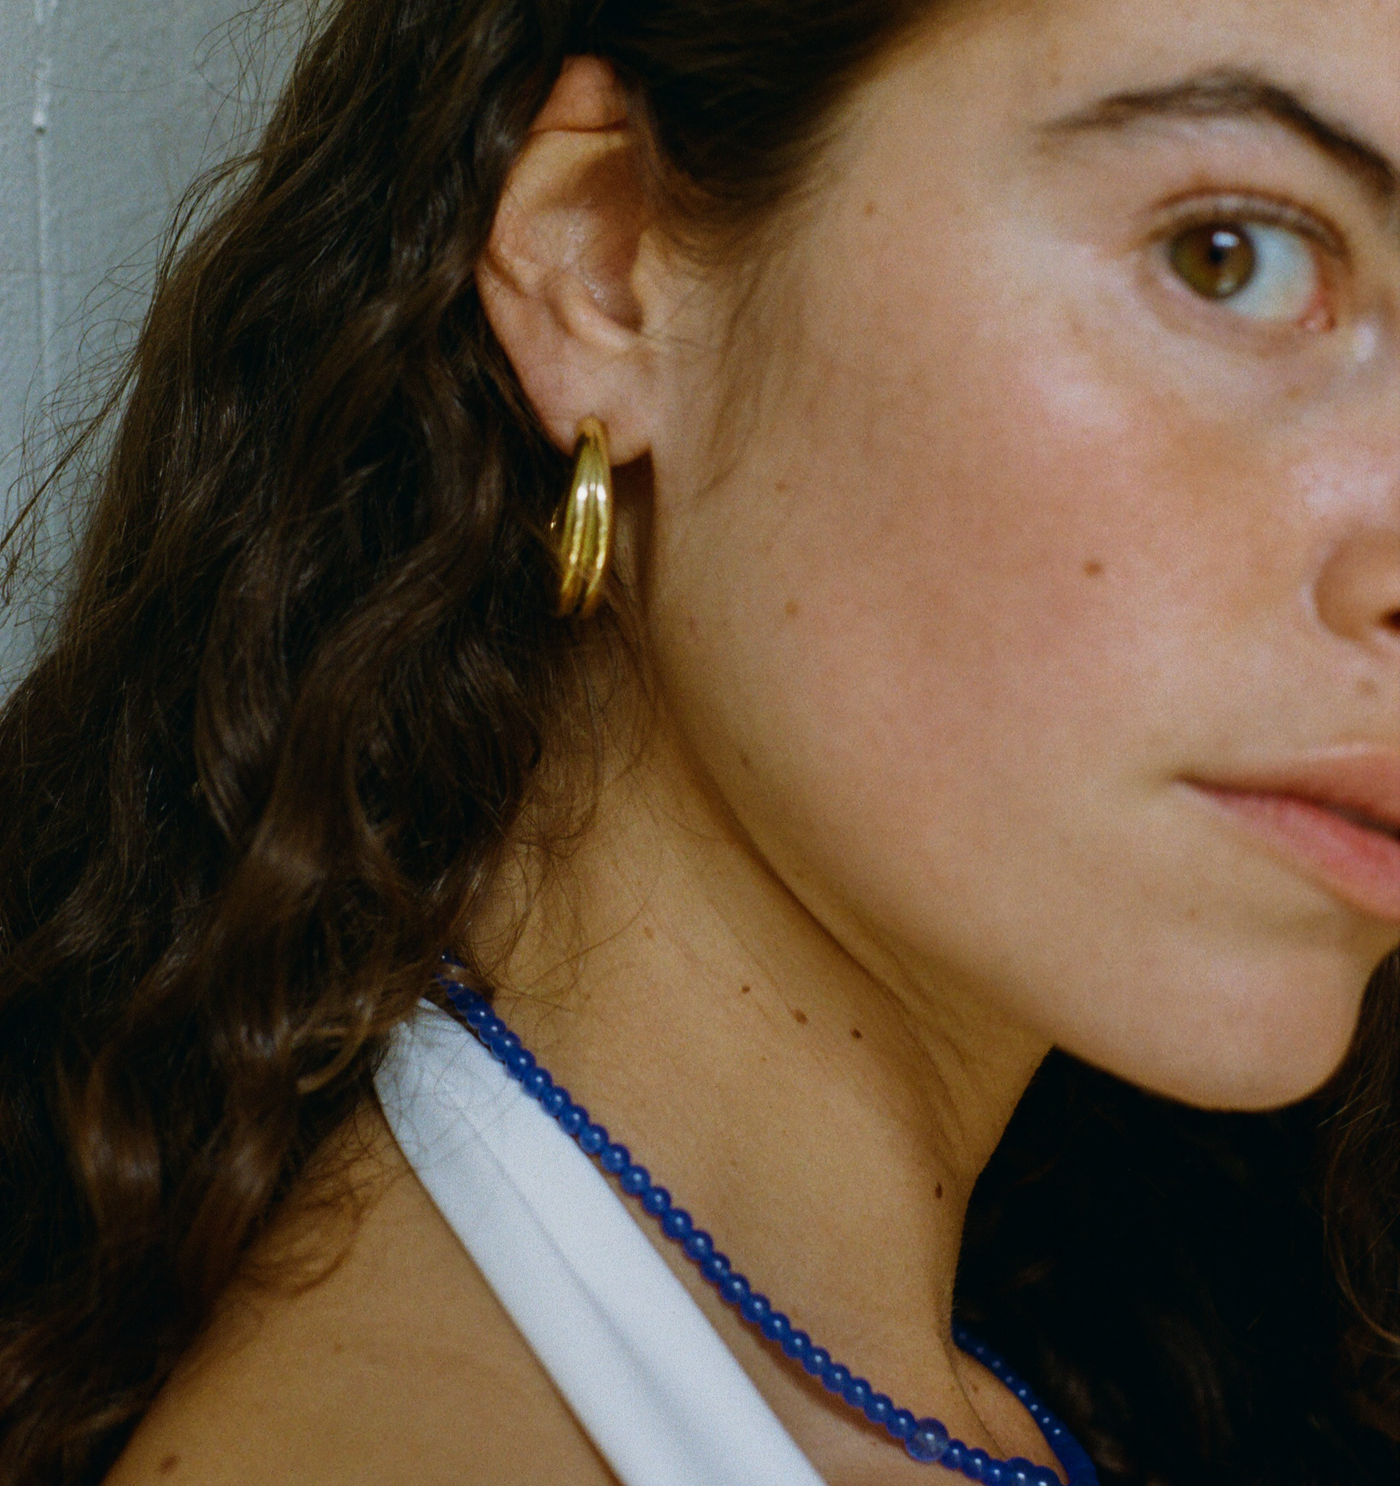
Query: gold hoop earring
<point x="582" y="528"/>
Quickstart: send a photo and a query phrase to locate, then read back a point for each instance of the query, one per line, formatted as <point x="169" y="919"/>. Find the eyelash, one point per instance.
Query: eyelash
<point x="1268" y="211"/>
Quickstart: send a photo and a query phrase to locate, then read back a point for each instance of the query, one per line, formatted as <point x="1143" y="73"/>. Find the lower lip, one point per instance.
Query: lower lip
<point x="1360" y="866"/>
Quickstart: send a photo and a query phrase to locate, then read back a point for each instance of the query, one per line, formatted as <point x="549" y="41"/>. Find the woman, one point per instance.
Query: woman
<point x="998" y="651"/>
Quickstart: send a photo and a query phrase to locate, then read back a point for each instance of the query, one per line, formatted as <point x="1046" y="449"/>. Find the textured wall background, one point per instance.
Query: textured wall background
<point x="108" y="108"/>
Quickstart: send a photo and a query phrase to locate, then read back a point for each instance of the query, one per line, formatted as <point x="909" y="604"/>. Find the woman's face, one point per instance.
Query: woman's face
<point x="1033" y="553"/>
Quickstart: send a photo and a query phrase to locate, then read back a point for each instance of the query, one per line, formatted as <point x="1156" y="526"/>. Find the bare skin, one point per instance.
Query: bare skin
<point x="1014" y="542"/>
<point x="366" y="1377"/>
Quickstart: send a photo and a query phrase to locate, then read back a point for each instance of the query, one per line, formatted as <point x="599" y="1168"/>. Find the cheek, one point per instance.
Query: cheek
<point x="945" y="635"/>
<point x="971" y="563"/>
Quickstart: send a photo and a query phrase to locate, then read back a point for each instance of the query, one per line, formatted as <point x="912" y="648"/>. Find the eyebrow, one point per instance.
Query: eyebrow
<point x="1231" y="93"/>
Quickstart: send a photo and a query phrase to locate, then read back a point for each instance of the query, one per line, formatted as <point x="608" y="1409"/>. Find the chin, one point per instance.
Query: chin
<point x="1274" y="1072"/>
<point x="1243" y="1052"/>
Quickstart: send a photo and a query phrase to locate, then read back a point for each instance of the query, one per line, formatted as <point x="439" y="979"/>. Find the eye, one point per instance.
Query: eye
<point x="1261" y="271"/>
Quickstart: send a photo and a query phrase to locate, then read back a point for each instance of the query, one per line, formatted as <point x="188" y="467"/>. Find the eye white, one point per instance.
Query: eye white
<point x="1286" y="278"/>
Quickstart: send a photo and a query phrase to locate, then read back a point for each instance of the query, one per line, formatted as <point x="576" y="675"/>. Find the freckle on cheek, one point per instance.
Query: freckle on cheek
<point x="792" y="610"/>
<point x="1093" y="568"/>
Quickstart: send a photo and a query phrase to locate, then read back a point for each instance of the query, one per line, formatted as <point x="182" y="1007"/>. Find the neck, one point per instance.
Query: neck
<point x="821" y="1111"/>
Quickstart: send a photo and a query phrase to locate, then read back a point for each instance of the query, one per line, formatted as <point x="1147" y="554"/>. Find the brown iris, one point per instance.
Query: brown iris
<point x="1216" y="261"/>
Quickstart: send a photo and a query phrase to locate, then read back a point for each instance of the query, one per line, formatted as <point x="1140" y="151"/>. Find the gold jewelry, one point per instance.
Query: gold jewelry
<point x="582" y="528"/>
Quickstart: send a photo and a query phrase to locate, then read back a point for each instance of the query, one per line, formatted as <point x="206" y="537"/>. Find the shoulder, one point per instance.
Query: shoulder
<point x="396" y="1364"/>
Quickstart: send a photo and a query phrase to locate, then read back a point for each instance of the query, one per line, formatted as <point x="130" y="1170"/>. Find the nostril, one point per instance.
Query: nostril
<point x="1358" y="588"/>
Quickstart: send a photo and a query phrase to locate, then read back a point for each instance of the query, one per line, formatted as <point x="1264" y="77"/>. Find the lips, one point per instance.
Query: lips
<point x="1337" y="819"/>
<point x="1366" y="822"/>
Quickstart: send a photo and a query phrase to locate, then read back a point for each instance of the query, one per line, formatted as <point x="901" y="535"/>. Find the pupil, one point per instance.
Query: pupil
<point x="1216" y="261"/>
<point x="1223" y="246"/>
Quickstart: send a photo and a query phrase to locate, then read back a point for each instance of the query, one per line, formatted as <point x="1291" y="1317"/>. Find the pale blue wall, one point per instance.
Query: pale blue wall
<point x="108" y="108"/>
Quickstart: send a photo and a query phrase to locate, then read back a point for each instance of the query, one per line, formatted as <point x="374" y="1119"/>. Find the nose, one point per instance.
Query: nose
<point x="1358" y="590"/>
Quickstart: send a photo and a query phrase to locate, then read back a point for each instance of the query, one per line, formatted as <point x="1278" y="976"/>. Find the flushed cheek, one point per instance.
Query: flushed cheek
<point x="1047" y="527"/>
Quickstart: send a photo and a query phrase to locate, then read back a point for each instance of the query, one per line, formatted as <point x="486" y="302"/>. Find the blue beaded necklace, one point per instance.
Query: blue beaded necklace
<point x="925" y="1440"/>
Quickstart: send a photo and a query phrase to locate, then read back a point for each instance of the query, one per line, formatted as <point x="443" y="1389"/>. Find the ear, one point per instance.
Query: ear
<point x="566" y="279"/>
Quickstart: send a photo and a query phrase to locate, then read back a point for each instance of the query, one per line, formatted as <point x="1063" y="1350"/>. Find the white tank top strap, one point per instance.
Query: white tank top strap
<point x="643" y="1370"/>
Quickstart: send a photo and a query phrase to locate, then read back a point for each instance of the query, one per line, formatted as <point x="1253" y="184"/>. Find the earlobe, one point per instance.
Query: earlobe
<point x="558" y="278"/>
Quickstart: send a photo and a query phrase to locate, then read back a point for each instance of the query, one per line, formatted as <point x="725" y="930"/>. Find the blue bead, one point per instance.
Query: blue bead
<point x="504" y="1045"/>
<point x="857" y="1393"/>
<point x="716" y="1267"/>
<point x="656" y="1201"/>
<point x="478" y="1016"/>
<point x="491" y="1027"/>
<point x="520" y="1062"/>
<point x="699" y="1246"/>
<point x="977" y="1461"/>
<point x="755" y="1308"/>
<point x="537" y="1083"/>
<point x="677" y="1224"/>
<point x="835" y="1376"/>
<point x="954" y="1455"/>
<point x="555" y="1101"/>
<point x="776" y="1326"/>
<point x="635" y="1180"/>
<point x="1077" y="1464"/>
<point x="1044" y="1476"/>
<point x="816" y="1360"/>
<point x="734" y="1287"/>
<point x="994" y="1474"/>
<point x="1020" y="1471"/>
<point x="797" y="1344"/>
<point x="573" y="1119"/>
<point x="900" y="1424"/>
<point x="879" y="1409"/>
<point x="613" y="1158"/>
<point x="928" y="1440"/>
<point x="592" y="1139"/>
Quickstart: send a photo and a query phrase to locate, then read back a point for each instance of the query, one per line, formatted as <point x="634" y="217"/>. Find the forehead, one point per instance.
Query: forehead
<point x="1342" y="55"/>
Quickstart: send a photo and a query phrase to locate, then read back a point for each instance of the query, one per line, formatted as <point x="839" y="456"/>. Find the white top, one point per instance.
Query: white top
<point x="642" y="1368"/>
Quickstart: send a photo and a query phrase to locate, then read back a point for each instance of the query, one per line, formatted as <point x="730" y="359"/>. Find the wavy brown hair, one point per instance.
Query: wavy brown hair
<point x="274" y="751"/>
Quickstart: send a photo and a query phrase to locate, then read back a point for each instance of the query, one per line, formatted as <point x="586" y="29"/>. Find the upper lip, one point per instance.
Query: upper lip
<point x="1363" y="786"/>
